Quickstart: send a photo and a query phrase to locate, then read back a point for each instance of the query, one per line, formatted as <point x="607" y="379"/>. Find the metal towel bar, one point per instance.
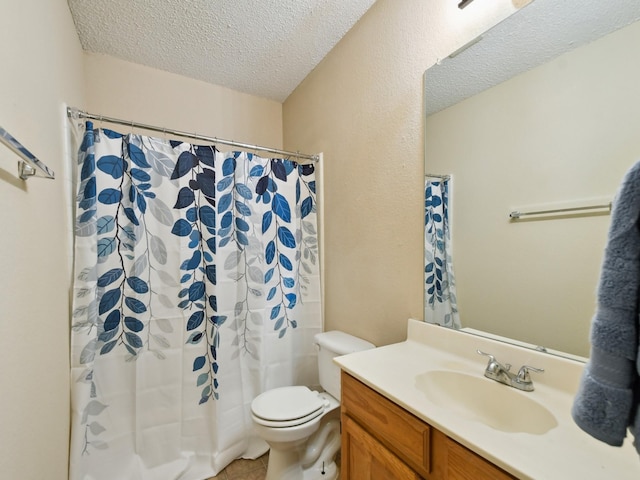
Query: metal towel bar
<point x="29" y="164"/>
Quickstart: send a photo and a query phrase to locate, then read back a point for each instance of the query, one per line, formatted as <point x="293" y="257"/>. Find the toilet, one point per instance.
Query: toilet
<point x="302" y="426"/>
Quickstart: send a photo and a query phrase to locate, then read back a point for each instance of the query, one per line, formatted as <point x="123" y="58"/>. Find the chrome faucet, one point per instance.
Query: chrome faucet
<point x="500" y="373"/>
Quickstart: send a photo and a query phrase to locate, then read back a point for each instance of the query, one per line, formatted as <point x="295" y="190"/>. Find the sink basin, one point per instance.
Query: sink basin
<point x="483" y="400"/>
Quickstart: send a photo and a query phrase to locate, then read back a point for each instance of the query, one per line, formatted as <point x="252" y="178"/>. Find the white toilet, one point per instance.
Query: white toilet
<point x="302" y="426"/>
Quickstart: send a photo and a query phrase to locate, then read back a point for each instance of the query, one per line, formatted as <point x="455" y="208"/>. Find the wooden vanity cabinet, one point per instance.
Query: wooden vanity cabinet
<point x="381" y="440"/>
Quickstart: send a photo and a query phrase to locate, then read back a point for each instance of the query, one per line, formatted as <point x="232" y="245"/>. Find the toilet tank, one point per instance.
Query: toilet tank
<point x="333" y="344"/>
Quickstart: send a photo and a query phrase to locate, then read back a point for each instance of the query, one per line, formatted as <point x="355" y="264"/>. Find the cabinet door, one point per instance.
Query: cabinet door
<point x="364" y="458"/>
<point x="466" y="465"/>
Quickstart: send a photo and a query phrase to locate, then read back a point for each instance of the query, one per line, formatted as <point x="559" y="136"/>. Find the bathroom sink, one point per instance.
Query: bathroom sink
<point x="486" y="401"/>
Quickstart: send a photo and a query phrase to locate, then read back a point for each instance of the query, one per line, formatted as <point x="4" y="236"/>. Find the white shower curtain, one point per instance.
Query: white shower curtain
<point x="440" y="303"/>
<point x="196" y="288"/>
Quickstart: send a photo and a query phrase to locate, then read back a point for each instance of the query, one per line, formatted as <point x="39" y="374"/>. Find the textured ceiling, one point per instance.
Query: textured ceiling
<point x="262" y="47"/>
<point x="536" y="34"/>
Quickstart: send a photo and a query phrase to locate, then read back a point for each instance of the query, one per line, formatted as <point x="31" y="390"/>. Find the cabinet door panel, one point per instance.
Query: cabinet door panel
<point x="364" y="458"/>
<point x="400" y="431"/>
<point x="466" y="465"/>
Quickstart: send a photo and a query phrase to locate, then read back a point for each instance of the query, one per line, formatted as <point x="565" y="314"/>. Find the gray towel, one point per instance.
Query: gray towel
<point x="607" y="402"/>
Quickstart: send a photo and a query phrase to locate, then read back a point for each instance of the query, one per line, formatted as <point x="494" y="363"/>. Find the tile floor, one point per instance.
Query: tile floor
<point x="245" y="469"/>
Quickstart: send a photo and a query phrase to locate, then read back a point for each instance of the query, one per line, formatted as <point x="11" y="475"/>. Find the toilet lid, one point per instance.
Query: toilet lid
<point x="287" y="404"/>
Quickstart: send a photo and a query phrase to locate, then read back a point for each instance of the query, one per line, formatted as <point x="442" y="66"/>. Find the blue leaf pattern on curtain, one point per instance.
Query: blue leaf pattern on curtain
<point x="440" y="293"/>
<point x="202" y="259"/>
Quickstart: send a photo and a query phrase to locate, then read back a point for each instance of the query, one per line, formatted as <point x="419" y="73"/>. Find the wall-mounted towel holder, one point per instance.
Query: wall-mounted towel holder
<point x="29" y="165"/>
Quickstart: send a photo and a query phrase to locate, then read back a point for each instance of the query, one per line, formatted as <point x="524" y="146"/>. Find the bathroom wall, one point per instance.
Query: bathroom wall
<point x="134" y="92"/>
<point x="363" y="107"/>
<point x="41" y="65"/>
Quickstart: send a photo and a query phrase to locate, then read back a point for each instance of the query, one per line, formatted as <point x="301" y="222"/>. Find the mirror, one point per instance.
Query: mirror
<point x="542" y="113"/>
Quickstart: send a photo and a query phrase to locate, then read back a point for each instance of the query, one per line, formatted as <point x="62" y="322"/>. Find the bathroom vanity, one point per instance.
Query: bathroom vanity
<point x="423" y="409"/>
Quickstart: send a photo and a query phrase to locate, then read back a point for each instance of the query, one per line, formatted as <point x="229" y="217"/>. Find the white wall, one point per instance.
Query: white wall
<point x="134" y="92"/>
<point x="363" y="107"/>
<point x="41" y="64"/>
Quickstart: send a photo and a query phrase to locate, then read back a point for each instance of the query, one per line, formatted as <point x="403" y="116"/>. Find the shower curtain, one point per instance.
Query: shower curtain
<point x="440" y="304"/>
<point x="196" y="288"/>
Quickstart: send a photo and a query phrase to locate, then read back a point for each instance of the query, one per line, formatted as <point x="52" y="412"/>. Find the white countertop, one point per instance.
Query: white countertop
<point x="563" y="453"/>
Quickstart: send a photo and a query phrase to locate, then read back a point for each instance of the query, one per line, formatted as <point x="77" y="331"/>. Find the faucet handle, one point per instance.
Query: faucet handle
<point x="493" y="363"/>
<point x="523" y="373"/>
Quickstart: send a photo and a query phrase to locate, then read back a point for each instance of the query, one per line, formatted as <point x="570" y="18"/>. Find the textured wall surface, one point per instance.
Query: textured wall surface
<point x="363" y="107"/>
<point x="41" y="63"/>
<point x="262" y="48"/>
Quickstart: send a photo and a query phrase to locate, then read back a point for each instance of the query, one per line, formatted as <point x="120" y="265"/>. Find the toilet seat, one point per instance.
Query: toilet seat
<point x="287" y="406"/>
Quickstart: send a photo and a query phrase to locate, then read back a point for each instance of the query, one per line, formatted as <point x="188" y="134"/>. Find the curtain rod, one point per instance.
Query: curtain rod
<point x="436" y="175"/>
<point x="77" y="114"/>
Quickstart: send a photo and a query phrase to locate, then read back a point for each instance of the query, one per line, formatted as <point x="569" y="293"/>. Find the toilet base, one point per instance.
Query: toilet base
<point x="285" y="465"/>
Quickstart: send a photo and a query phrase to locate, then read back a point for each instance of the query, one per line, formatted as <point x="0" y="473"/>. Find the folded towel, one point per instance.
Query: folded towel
<point x="607" y="402"/>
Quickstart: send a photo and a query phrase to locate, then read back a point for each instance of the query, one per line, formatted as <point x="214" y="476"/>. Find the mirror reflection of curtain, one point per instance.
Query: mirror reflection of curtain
<point x="196" y="288"/>
<point x="440" y="288"/>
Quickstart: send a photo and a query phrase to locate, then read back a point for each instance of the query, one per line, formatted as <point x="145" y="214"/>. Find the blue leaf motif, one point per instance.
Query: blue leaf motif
<point x="269" y="275"/>
<point x="186" y="161"/>
<point x="307" y="206"/>
<point x="109" y="196"/>
<point x="133" y="340"/>
<point x="286" y="237"/>
<point x="289" y="282"/>
<point x="112" y="321"/>
<point x="229" y="166"/>
<point x="208" y="216"/>
<point x="86" y="216"/>
<point x="88" y="167"/>
<point x="292" y="300"/>
<point x="90" y="188"/>
<point x="243" y="209"/>
<point x="270" y="252"/>
<point x="278" y="169"/>
<point x="140" y="175"/>
<point x="278" y="326"/>
<point x="275" y="311"/>
<point x="210" y="271"/>
<point x="199" y="362"/>
<point x="193" y="262"/>
<point x="107" y="347"/>
<point x="112" y="165"/>
<point x="207" y="183"/>
<point x="225" y="202"/>
<point x="281" y="208"/>
<point x="131" y="215"/>
<point x="138" y="285"/>
<point x="137" y="156"/>
<point x="195" y="320"/>
<point x="285" y="262"/>
<point x="135" y="305"/>
<point x="256" y="171"/>
<point x="266" y="221"/>
<point x="244" y="191"/>
<point x="185" y="198"/>
<point x="110" y="277"/>
<point x="242" y="239"/>
<point x="272" y="293"/>
<point x="242" y="225"/>
<point x="133" y="324"/>
<point x="181" y="228"/>
<point x="106" y="246"/>
<point x="224" y="183"/>
<point x="196" y="291"/>
<point x="142" y="203"/>
<point x="226" y="221"/>
<point x="109" y="300"/>
<point x="206" y="154"/>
